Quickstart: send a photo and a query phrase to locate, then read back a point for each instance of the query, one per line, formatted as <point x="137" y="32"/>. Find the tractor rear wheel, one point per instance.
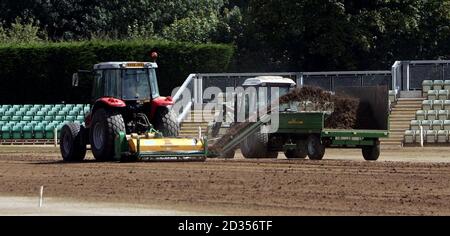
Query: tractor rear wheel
<point x="165" y="121"/>
<point x="72" y="145"/>
<point x="316" y="150"/>
<point x="255" y="146"/>
<point x="299" y="153"/>
<point x="106" y="124"/>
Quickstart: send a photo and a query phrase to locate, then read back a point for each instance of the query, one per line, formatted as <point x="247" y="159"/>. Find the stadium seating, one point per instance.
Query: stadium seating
<point x="434" y="117"/>
<point x="38" y="121"/>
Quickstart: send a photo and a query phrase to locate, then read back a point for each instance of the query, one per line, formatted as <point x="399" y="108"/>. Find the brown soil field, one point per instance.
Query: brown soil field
<point x="408" y="181"/>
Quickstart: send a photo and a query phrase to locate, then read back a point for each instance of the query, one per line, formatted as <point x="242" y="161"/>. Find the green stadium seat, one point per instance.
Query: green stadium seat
<point x="438" y="84"/>
<point x="69" y="106"/>
<point x="86" y="110"/>
<point x="442" y="114"/>
<point x="70" y="118"/>
<point x="27" y="132"/>
<point x="22" y="109"/>
<point x="19" y="113"/>
<point x="49" y="132"/>
<point x="48" y="118"/>
<point x="442" y="94"/>
<point x="61" y="113"/>
<point x="80" y="118"/>
<point x="9" y="113"/>
<point x="442" y="136"/>
<point x="2" y="113"/>
<point x="17" y="132"/>
<point x="30" y="113"/>
<point x="38" y="106"/>
<point x="43" y="110"/>
<point x="44" y="123"/>
<point x="27" y="118"/>
<point x="446" y="124"/>
<point x="438" y="104"/>
<point x="437" y="124"/>
<point x="79" y="106"/>
<point x="409" y="136"/>
<point x="16" y="118"/>
<point x="59" y="126"/>
<point x="427" y="105"/>
<point x="427" y="124"/>
<point x="58" y="106"/>
<point x="392" y="96"/>
<point x="415" y="124"/>
<point x="447" y="84"/>
<point x="431" y="136"/>
<point x="34" y="123"/>
<point x="65" y="109"/>
<point x="6" y="106"/>
<point x="59" y="118"/>
<point x="38" y="118"/>
<point x="2" y="123"/>
<point x="40" y="113"/>
<point x="73" y="113"/>
<point x="433" y="94"/>
<point x="51" y="113"/>
<point x="6" y="132"/>
<point x="16" y="106"/>
<point x="427" y="85"/>
<point x="27" y="106"/>
<point x="432" y="115"/>
<point x="6" y="118"/>
<point x="38" y="132"/>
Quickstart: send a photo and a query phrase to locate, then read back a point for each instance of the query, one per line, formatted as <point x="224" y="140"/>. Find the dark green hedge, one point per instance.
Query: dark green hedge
<point x="42" y="73"/>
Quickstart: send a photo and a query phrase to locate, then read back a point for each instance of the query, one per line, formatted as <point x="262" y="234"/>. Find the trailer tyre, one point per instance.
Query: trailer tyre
<point x="72" y="145"/>
<point x="165" y="121"/>
<point x="371" y="153"/>
<point x="106" y="124"/>
<point x="255" y="146"/>
<point x="299" y="153"/>
<point x="316" y="150"/>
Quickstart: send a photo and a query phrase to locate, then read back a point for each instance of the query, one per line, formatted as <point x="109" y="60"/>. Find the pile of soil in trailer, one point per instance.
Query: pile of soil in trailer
<point x="343" y="116"/>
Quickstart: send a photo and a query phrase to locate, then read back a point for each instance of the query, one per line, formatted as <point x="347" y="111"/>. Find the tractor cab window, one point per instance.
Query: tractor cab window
<point x="112" y="83"/>
<point x="135" y="84"/>
<point x="153" y="83"/>
<point x="97" y="89"/>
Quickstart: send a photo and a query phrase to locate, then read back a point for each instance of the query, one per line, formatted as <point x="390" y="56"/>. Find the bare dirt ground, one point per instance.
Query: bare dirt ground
<point x="409" y="181"/>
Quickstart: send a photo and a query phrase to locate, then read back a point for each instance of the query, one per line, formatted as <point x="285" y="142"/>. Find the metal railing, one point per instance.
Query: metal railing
<point x="196" y="84"/>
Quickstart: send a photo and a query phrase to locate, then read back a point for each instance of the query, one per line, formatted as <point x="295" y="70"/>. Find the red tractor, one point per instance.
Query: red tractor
<point x="125" y="99"/>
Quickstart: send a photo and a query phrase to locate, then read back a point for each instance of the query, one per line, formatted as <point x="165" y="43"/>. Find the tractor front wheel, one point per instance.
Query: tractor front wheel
<point x="165" y="121"/>
<point x="72" y="145"/>
<point x="106" y="124"/>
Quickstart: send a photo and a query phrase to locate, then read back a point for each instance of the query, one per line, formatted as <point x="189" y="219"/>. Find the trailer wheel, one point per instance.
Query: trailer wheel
<point x="255" y="146"/>
<point x="316" y="150"/>
<point x="106" y="124"/>
<point x="299" y="153"/>
<point x="166" y="122"/>
<point x="72" y="145"/>
<point x="371" y="153"/>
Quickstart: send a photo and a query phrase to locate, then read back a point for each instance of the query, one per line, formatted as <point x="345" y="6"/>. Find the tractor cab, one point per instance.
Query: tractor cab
<point x="269" y="87"/>
<point x="128" y="81"/>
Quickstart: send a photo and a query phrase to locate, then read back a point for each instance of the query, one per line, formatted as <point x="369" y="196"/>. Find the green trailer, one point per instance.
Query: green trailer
<point x="303" y="133"/>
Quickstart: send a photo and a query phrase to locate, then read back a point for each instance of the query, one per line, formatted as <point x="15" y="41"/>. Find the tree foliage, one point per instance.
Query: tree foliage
<point x="269" y="34"/>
